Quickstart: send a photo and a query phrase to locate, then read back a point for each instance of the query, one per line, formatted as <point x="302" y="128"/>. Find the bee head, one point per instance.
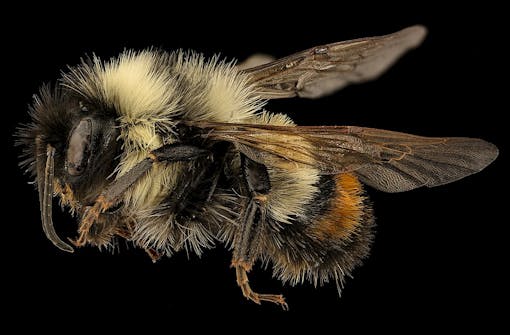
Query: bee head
<point x="70" y="147"/>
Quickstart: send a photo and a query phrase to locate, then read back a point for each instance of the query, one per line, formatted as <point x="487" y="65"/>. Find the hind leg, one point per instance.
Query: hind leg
<point x="253" y="219"/>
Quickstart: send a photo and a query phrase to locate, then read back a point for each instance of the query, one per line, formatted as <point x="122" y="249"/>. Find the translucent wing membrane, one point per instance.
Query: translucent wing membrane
<point x="386" y="160"/>
<point x="411" y="161"/>
<point x="325" y="69"/>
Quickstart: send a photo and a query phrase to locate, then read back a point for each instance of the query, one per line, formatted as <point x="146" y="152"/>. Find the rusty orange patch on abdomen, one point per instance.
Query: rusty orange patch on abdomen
<point x="345" y="212"/>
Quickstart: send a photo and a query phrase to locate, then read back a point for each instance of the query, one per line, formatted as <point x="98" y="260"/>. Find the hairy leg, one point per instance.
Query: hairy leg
<point x="253" y="219"/>
<point x="113" y="193"/>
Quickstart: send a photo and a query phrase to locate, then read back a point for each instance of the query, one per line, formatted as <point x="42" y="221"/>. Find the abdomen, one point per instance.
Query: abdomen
<point x="331" y="238"/>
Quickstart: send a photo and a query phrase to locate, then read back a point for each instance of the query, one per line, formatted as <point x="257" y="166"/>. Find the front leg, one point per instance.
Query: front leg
<point x="113" y="193"/>
<point x="247" y="240"/>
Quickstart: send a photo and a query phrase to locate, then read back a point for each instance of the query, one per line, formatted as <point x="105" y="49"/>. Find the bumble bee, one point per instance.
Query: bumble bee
<point x="171" y="151"/>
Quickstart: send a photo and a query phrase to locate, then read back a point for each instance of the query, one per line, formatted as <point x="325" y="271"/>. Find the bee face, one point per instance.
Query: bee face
<point x="70" y="149"/>
<point x="84" y="139"/>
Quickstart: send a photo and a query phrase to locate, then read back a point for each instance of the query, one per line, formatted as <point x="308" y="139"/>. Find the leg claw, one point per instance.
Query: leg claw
<point x="242" y="281"/>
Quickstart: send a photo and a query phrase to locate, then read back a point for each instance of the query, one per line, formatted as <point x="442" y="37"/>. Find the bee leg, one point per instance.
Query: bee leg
<point x="218" y="170"/>
<point x="108" y="198"/>
<point x="153" y="254"/>
<point x="126" y="232"/>
<point x="243" y="282"/>
<point x="198" y="178"/>
<point x="244" y="256"/>
<point x="247" y="239"/>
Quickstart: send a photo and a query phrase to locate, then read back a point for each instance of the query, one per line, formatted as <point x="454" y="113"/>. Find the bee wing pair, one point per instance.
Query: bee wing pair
<point x="386" y="160"/>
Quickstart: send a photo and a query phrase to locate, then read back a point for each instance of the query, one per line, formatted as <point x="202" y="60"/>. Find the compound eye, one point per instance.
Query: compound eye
<point x="78" y="148"/>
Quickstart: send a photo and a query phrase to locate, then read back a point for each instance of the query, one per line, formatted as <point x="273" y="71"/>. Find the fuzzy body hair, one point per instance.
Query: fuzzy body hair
<point x="175" y="152"/>
<point x="151" y="91"/>
<point x="150" y="94"/>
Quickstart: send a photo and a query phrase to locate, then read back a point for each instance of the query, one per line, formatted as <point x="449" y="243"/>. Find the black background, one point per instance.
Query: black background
<point x="439" y="256"/>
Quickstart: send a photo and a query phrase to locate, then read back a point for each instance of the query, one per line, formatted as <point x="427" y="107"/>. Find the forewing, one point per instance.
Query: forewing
<point x="386" y="160"/>
<point x="324" y="69"/>
<point x="403" y="162"/>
